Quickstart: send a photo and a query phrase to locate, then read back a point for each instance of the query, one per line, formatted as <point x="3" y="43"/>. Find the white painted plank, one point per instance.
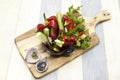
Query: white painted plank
<point x="18" y="70"/>
<point x="112" y="39"/>
<point x="8" y="19"/>
<point x="72" y="70"/>
<point x="94" y="61"/>
<point x="28" y="18"/>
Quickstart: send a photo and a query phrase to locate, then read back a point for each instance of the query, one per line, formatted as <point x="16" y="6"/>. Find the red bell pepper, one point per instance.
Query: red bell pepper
<point x="69" y="41"/>
<point x="65" y="17"/>
<point x="71" y="24"/>
<point x="52" y="18"/>
<point x="53" y="24"/>
<point x="65" y="38"/>
<point x="69" y="21"/>
<point x="72" y="39"/>
<point x="40" y="27"/>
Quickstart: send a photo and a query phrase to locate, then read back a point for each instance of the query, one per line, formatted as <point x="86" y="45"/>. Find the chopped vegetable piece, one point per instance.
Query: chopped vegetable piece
<point x="56" y="49"/>
<point x="52" y="18"/>
<point x="60" y="23"/>
<point x="75" y="30"/>
<point x="46" y="32"/>
<point x="59" y="42"/>
<point x="53" y="34"/>
<point x="72" y="39"/>
<point x="42" y="37"/>
<point x="53" y="24"/>
<point x="40" y="27"/>
<point x="65" y="17"/>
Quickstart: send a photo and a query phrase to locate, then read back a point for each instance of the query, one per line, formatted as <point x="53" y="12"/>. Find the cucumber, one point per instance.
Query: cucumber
<point x="56" y="49"/>
<point x="60" y="23"/>
<point x="59" y="42"/>
<point x="43" y="38"/>
<point x="46" y="32"/>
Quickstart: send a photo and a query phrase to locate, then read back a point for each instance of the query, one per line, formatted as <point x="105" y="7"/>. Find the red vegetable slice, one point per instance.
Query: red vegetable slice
<point x="65" y="38"/>
<point x="53" y="24"/>
<point x="71" y="24"/>
<point x="83" y="32"/>
<point x="40" y="27"/>
<point x="54" y="36"/>
<point x="52" y="18"/>
<point x="72" y="39"/>
<point x="65" y="17"/>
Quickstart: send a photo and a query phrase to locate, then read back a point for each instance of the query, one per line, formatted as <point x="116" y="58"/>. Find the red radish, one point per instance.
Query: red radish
<point x="40" y="27"/>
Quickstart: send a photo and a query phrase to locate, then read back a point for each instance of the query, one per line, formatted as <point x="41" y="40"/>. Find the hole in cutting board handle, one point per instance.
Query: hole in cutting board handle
<point x="103" y="15"/>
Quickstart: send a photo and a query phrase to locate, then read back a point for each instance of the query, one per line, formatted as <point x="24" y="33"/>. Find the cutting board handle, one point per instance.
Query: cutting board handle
<point x="91" y="23"/>
<point x="103" y="15"/>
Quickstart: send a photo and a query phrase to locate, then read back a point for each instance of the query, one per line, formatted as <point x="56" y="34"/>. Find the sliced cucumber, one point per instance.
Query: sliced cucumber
<point x="78" y="44"/>
<point x="56" y="49"/>
<point x="43" y="38"/>
<point x="59" y="42"/>
<point x="46" y="31"/>
<point x="60" y="23"/>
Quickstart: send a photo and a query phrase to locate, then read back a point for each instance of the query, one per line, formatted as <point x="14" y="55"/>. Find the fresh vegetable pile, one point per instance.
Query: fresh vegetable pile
<point x="63" y="30"/>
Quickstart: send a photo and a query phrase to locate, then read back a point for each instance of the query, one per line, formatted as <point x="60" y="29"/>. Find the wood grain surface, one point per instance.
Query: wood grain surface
<point x="29" y="39"/>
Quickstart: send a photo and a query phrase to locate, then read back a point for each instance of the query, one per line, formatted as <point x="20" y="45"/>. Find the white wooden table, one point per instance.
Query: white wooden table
<point x="100" y="63"/>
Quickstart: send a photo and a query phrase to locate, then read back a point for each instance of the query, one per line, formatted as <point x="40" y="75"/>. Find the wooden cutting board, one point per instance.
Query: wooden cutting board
<point x="28" y="40"/>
